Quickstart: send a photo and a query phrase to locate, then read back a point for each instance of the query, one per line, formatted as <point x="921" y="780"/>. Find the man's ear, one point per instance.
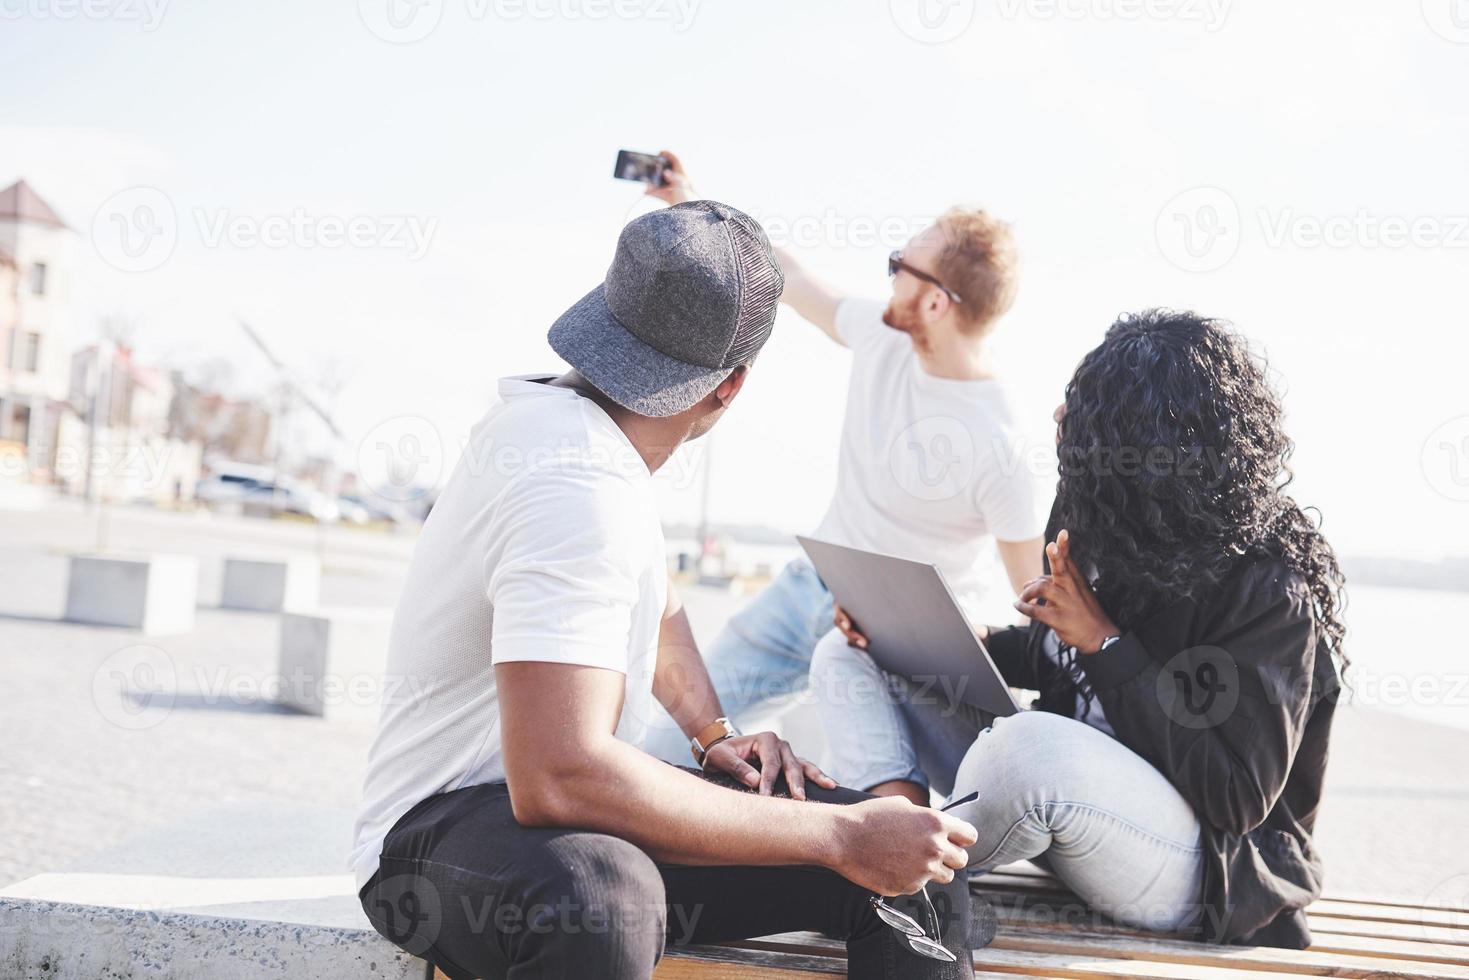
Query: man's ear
<point x="732" y="384"/>
<point x="938" y="304"/>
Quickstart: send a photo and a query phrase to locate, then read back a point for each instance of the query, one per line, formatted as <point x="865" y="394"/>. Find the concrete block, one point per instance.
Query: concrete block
<point x="271" y="585"/>
<point x="332" y="661"/>
<point x="153" y="593"/>
<point x="250" y="891"/>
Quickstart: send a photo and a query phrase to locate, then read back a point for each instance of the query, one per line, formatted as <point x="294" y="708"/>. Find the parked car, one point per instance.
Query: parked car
<point x="255" y="488"/>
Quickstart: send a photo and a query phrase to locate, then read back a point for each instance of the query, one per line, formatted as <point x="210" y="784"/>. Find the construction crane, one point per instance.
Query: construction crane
<point x="292" y="391"/>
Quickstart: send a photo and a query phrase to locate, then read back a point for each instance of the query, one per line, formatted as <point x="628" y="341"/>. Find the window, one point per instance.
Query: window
<point x="38" y="279"/>
<point x="31" y="356"/>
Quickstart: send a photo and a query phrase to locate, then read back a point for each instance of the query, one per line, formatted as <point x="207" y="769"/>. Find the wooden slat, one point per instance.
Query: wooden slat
<point x="1392" y="948"/>
<point x="1436" y="935"/>
<point x="729" y="962"/>
<point x="1248" y="960"/>
<point x="1071" y="965"/>
<point x="1026" y="878"/>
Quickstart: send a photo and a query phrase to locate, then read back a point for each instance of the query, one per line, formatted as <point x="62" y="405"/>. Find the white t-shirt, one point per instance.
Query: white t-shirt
<point x="544" y="546"/>
<point x="930" y="469"/>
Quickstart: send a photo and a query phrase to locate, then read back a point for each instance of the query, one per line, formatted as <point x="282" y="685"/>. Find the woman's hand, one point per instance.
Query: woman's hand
<point x="1071" y="608"/>
<point x="775" y="757"/>
<point x="849" y="629"/>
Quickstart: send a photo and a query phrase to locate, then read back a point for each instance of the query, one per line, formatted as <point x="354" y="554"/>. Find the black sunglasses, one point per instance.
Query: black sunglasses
<point x="896" y="263"/>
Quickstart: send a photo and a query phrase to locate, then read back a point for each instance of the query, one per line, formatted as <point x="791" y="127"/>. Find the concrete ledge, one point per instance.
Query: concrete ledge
<point x="67" y="941"/>
<point x="154" y="593"/>
<point x="254" y="890"/>
<point x="271" y="585"/>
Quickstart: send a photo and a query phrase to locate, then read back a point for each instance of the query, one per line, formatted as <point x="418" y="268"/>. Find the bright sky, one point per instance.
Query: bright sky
<point x="1331" y="137"/>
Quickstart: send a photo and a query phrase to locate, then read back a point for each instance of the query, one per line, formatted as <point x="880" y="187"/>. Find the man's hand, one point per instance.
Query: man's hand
<point x="895" y="848"/>
<point x="1071" y="608"/>
<point x="775" y="757"/>
<point x="679" y="188"/>
<point x="844" y="622"/>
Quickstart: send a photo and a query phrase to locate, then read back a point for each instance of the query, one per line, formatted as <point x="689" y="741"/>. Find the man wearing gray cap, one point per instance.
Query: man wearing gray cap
<point x="511" y="826"/>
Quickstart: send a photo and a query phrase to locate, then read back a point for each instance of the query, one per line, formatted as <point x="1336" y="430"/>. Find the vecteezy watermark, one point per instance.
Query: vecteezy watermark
<point x="1209" y="13"/>
<point x="134" y="688"/>
<point x="1372" y="688"/>
<point x="1449" y="19"/>
<point x="137" y="230"/>
<point x="1445" y="459"/>
<point x="833" y="229"/>
<point x="408" y="909"/>
<point x="932" y="21"/>
<point x="1445" y="913"/>
<point x="407" y="21"/>
<point x="403" y="458"/>
<point x="148" y="14"/>
<point x="1199" y="687"/>
<point x="1200" y="229"/>
<point x="933" y="459"/>
<point x="401" y="21"/>
<point x="142" y="467"/>
<point x="300" y="228"/>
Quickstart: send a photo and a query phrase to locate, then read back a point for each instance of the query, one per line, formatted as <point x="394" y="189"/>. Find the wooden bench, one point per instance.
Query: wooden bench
<point x="1045" y="931"/>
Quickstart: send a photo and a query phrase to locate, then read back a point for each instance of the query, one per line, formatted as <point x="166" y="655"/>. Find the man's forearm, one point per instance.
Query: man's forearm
<point x="680" y="680"/>
<point x="810" y="297"/>
<point x="677" y="817"/>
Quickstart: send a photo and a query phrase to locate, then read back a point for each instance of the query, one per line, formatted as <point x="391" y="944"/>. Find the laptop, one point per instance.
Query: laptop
<point x="914" y="626"/>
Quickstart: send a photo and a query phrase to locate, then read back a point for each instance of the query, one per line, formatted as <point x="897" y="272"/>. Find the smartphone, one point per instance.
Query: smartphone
<point x="646" y="167"/>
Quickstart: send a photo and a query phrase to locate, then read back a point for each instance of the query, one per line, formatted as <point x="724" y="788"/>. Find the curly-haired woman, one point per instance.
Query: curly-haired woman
<point x="1185" y="642"/>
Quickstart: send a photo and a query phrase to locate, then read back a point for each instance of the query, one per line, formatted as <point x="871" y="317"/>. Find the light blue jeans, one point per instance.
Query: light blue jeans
<point x="1051" y="789"/>
<point x="761" y="657"/>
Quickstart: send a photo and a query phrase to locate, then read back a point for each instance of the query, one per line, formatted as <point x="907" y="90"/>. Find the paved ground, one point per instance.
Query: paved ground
<point x="82" y="770"/>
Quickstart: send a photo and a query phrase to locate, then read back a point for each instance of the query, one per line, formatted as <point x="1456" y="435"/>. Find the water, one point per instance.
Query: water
<point x="1409" y="652"/>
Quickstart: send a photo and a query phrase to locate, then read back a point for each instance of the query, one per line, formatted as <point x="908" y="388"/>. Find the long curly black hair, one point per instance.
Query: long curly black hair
<point x="1174" y="468"/>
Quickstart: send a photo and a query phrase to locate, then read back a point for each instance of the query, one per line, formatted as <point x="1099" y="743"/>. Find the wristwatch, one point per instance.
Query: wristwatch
<point x="709" y="736"/>
<point x="1108" y="642"/>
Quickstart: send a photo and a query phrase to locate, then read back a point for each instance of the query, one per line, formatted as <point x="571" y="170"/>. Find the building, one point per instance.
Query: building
<point x="36" y="255"/>
<point x="120" y="445"/>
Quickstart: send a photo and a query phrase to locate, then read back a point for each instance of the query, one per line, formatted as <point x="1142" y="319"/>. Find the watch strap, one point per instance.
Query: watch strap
<point x="709" y="736"/>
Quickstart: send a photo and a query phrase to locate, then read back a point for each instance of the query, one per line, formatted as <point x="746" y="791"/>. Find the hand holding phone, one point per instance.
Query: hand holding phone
<point x="663" y="173"/>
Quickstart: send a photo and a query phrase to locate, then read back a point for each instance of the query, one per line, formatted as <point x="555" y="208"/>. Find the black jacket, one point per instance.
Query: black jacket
<point x="1231" y="698"/>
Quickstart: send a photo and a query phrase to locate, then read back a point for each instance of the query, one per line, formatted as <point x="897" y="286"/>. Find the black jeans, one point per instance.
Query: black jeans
<point x="464" y="886"/>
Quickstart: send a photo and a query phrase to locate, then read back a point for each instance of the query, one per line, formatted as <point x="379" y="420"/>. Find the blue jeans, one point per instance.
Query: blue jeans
<point x="1051" y="788"/>
<point x="761" y="657"/>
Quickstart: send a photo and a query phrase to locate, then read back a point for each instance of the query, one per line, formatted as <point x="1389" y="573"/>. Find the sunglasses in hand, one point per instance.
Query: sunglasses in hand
<point x="917" y="936"/>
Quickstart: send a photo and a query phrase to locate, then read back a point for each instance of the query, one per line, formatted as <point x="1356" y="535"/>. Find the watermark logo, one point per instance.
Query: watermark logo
<point x="932" y="21"/>
<point x="401" y="21"/>
<point x="408" y="909"/>
<point x="933" y="459"/>
<point x="148" y="14"/>
<point x="1446" y="907"/>
<point x="136" y="230"/>
<point x="1210" y="13"/>
<point x="1199" y="229"/>
<point x="1449" y="19"/>
<point x="134" y="688"/>
<point x="1199" y="688"/>
<point x="1445" y="459"/>
<point x="401" y="458"/>
<point x="300" y="228"/>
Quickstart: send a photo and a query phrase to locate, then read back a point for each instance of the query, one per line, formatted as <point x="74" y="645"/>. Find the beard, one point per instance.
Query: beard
<point x="904" y="317"/>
